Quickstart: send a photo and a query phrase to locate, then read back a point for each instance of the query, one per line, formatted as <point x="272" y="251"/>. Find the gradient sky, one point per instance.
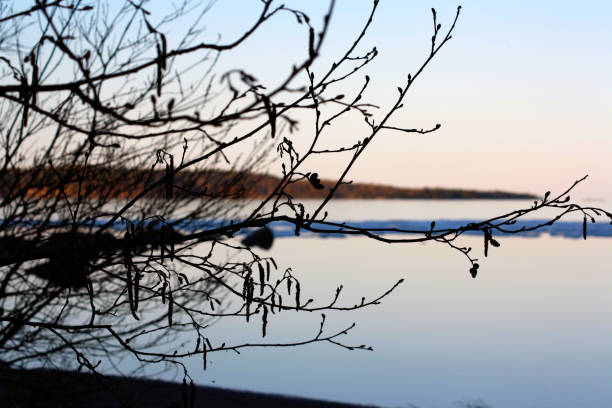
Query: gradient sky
<point x="523" y="90"/>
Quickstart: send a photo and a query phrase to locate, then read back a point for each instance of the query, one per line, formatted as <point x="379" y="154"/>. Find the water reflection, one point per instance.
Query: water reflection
<point x="532" y="330"/>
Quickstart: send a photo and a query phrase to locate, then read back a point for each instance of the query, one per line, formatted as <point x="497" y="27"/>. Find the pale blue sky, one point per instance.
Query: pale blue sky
<point x="523" y="90"/>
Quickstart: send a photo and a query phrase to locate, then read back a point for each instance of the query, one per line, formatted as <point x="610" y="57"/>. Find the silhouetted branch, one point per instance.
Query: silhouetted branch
<point x="122" y="214"/>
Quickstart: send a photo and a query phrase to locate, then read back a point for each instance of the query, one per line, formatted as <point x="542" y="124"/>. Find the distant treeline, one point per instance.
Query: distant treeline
<point x="125" y="182"/>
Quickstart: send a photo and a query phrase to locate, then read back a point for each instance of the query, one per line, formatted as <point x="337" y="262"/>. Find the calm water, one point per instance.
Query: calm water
<point x="533" y="330"/>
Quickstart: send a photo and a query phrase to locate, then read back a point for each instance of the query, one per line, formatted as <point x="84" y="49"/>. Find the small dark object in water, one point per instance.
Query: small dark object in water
<point x="71" y="257"/>
<point x="62" y="273"/>
<point x="263" y="238"/>
<point x="155" y="235"/>
<point x="12" y="246"/>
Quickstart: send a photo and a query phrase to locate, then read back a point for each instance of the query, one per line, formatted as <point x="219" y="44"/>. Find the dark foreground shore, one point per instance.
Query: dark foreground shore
<point x="52" y="388"/>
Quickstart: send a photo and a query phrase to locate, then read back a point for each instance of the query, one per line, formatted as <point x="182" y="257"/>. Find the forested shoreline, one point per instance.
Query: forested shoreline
<point x="126" y="182"/>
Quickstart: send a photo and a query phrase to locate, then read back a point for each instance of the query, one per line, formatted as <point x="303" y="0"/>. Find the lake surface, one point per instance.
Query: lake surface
<point x="533" y="330"/>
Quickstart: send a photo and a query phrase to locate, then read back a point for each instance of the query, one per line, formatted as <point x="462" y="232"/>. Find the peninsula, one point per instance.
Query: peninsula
<point x="122" y="182"/>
